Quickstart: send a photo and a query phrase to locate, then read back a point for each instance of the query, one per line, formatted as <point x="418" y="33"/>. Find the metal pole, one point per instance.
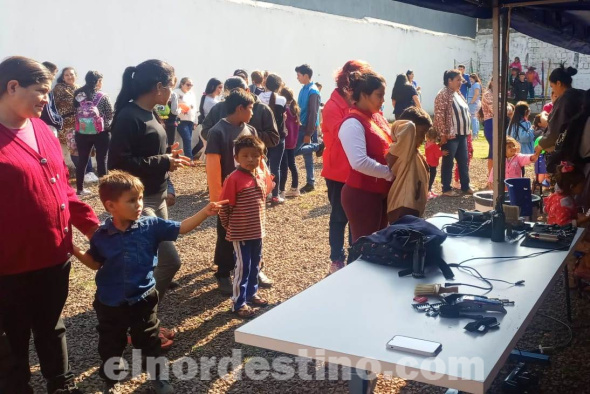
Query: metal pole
<point x="496" y="90"/>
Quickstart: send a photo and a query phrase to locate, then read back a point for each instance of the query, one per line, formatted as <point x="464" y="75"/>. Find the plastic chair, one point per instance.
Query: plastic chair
<point x="519" y="192"/>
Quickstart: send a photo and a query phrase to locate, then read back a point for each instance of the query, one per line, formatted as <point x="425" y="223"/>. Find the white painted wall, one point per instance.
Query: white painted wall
<point x="211" y="38"/>
<point x="538" y="52"/>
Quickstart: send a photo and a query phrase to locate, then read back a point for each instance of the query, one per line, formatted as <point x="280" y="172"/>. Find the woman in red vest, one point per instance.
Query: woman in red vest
<point x="37" y="215"/>
<point x="336" y="167"/>
<point x="365" y="141"/>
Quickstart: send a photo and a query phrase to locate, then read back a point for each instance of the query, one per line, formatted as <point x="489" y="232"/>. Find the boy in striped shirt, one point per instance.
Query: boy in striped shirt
<point x="244" y="219"/>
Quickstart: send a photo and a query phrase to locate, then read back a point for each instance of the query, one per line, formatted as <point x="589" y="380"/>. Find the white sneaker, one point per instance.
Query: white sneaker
<point x="282" y="195"/>
<point x="84" y="192"/>
<point x="90" y="177"/>
<point x="293" y="192"/>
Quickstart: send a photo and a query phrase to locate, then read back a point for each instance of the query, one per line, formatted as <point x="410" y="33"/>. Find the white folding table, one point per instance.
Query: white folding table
<point x="351" y="315"/>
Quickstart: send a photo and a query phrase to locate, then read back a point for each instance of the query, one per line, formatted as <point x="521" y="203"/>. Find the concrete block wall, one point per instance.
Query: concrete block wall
<point x="538" y="52"/>
<point x="211" y="38"/>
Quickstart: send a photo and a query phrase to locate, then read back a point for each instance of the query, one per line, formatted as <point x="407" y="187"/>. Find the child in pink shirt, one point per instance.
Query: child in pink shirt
<point x="515" y="161"/>
<point x="561" y="207"/>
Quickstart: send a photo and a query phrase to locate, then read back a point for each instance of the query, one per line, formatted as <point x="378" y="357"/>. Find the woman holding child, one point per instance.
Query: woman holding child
<point x="366" y="142"/>
<point x="36" y="237"/>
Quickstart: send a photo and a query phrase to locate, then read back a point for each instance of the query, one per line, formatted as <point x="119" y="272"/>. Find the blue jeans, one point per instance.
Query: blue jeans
<point x="457" y="148"/>
<point x="288" y="163"/>
<point x="275" y="156"/>
<point x="473" y="110"/>
<point x="338" y="221"/>
<point x="307" y="151"/>
<point x="185" y="129"/>
<point x="76" y="160"/>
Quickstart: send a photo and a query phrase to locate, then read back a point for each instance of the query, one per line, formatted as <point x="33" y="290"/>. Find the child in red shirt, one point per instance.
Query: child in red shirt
<point x="244" y="219"/>
<point x="433" y="154"/>
<point x="560" y="206"/>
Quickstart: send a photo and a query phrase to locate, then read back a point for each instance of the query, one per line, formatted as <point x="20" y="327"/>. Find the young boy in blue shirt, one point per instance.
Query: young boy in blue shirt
<point x="123" y="250"/>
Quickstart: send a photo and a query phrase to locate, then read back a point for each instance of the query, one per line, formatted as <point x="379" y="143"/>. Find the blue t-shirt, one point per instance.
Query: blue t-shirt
<point x="128" y="258"/>
<point x="471" y="92"/>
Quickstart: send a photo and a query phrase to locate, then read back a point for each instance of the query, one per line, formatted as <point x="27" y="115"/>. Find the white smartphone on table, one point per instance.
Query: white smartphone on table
<point x="414" y="345"/>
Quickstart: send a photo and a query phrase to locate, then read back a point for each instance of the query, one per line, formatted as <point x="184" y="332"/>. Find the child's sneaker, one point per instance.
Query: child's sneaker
<point x="282" y="194"/>
<point x="162" y="387"/>
<point x="276" y="201"/>
<point x="432" y="195"/>
<point x="335" y="266"/>
<point x="293" y="192"/>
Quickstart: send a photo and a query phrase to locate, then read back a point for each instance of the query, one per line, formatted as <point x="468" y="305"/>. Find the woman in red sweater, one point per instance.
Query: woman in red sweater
<point x="36" y="233"/>
<point x="366" y="142"/>
<point x="336" y="167"/>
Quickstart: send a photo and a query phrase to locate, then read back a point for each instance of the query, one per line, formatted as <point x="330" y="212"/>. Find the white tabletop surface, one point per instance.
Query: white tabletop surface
<point x="353" y="313"/>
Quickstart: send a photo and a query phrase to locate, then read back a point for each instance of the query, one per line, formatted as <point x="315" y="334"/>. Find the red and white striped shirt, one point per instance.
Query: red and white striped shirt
<point x="244" y="216"/>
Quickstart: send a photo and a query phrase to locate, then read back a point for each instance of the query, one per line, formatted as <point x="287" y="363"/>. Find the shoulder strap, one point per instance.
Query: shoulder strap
<point x="97" y="97"/>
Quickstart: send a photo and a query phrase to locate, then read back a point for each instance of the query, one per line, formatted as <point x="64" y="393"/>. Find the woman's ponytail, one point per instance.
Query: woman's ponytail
<point x="126" y="94"/>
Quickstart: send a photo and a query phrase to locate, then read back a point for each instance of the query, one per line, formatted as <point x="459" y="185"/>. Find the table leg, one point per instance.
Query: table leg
<point x="361" y="384"/>
<point x="567" y="292"/>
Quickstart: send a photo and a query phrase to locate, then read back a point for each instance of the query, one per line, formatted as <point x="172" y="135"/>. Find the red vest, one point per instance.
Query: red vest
<point x="377" y="139"/>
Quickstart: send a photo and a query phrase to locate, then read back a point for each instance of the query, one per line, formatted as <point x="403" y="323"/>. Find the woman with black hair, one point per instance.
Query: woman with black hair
<point x="87" y="100"/>
<point x="278" y="104"/>
<point x="138" y="146"/>
<point x="366" y="141"/>
<point x="567" y="105"/>
<point x="210" y="97"/>
<point x="187" y="102"/>
<point x="403" y="95"/>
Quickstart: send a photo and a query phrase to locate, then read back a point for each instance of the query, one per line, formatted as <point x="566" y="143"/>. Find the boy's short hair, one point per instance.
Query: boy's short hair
<point x="115" y="183"/>
<point x="234" y="82"/>
<point x="50" y="66"/>
<point x="249" y="141"/>
<point x="304" y="69"/>
<point x="238" y="97"/>
<point x="241" y="73"/>
<point x="256" y="77"/>
<point x="461" y="66"/>
<point x="417" y="115"/>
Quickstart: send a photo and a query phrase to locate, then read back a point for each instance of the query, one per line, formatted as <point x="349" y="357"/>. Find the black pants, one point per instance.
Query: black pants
<point x="432" y="177"/>
<point x="338" y="221"/>
<point x="170" y="128"/>
<point x="85" y="142"/>
<point x="224" y="253"/>
<point x="113" y="322"/>
<point x="33" y="301"/>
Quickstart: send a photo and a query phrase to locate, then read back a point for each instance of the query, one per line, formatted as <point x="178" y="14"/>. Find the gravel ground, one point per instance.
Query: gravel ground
<point x="296" y="255"/>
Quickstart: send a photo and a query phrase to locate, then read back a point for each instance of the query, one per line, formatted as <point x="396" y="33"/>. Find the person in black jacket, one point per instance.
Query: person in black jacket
<point x="263" y="119"/>
<point x="50" y="115"/>
<point x="138" y="145"/>
<point x="521" y="88"/>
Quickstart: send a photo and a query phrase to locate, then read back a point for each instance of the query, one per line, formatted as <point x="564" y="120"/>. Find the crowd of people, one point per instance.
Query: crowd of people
<point x="248" y="136"/>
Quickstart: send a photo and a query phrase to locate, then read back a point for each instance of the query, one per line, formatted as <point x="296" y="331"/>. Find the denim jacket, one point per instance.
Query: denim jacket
<point x="128" y="258"/>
